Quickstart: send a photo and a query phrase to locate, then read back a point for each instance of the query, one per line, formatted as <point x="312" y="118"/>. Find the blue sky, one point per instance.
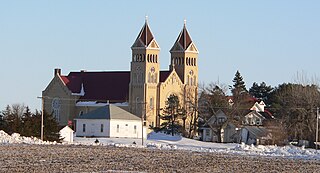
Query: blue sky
<point x="265" y="40"/>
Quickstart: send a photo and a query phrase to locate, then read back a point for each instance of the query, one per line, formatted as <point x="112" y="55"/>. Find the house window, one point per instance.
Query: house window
<point x="221" y="120"/>
<point x="258" y="122"/>
<point x="83" y="127"/>
<point x="80" y="113"/>
<point x="207" y="132"/>
<point x="117" y="128"/>
<point x="101" y="128"/>
<point x="135" y="129"/>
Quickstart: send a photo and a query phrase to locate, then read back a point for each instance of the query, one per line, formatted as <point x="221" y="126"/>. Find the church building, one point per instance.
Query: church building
<point x="142" y="91"/>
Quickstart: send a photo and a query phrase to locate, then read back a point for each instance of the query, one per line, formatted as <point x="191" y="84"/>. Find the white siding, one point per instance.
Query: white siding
<point x="67" y="134"/>
<point x="126" y="129"/>
<point x="93" y="128"/>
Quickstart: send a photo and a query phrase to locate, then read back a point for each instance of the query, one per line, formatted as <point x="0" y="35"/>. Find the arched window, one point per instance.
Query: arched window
<point x="149" y="77"/>
<point x="137" y="104"/>
<point x="156" y="58"/>
<point x="195" y="62"/>
<point x="137" y="78"/>
<point x="148" y="58"/>
<point x="151" y="103"/>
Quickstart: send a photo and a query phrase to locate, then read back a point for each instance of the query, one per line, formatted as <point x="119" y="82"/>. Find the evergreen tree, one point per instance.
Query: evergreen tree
<point x="238" y="88"/>
<point x="51" y="127"/>
<point x="27" y="123"/>
<point x="2" y="122"/>
<point x="171" y="115"/>
<point x="4" y="115"/>
<point x="261" y="92"/>
<point x="241" y="100"/>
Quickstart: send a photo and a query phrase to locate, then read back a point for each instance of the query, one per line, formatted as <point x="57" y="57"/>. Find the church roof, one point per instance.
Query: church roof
<point x="99" y="86"/>
<point x="164" y="75"/>
<point x="183" y="41"/>
<point x="145" y="36"/>
<point x="102" y="86"/>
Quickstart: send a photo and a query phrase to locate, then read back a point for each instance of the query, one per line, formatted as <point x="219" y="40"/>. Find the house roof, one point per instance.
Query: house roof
<point x="109" y="112"/>
<point x="267" y="115"/>
<point x="258" y="132"/>
<point x="100" y="86"/>
<point x="66" y="128"/>
<point x="255" y="113"/>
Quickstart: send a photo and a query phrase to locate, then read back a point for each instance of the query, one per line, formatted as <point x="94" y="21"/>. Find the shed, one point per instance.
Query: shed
<point x="66" y="134"/>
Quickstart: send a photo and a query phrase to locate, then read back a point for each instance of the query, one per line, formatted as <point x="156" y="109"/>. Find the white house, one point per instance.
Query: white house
<point x="109" y="121"/>
<point x="66" y="134"/>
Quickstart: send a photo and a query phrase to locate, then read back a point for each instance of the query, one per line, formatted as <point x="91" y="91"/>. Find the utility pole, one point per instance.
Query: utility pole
<point x="42" y="112"/>
<point x="143" y="112"/>
<point x="317" y="128"/>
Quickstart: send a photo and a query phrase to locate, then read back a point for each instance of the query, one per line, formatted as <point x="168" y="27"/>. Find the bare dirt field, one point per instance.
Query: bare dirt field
<point x="70" y="158"/>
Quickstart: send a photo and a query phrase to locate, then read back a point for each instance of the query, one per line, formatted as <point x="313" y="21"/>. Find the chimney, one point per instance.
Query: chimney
<point x="57" y="71"/>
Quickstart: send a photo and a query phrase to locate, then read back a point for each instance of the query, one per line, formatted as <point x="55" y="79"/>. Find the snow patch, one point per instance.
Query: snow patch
<point x="15" y="138"/>
<point x="167" y="142"/>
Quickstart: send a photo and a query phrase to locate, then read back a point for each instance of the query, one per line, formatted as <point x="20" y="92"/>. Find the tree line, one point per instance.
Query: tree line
<point x="18" y="118"/>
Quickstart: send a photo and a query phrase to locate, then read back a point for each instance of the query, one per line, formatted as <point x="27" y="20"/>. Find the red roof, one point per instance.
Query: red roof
<point x="145" y="35"/>
<point x="103" y="86"/>
<point x="184" y="38"/>
<point x="100" y="86"/>
<point x="164" y="75"/>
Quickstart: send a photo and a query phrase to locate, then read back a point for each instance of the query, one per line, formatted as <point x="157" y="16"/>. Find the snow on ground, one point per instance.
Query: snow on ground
<point x="163" y="141"/>
<point x="15" y="138"/>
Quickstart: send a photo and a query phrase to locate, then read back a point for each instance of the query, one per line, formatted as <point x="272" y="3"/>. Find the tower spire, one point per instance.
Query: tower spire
<point x="145" y="37"/>
<point x="183" y="41"/>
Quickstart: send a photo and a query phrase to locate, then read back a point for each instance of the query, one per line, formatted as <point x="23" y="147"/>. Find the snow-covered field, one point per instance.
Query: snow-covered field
<point x="168" y="142"/>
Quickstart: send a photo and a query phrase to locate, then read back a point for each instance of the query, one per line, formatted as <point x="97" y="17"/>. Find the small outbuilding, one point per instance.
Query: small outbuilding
<point x="255" y="135"/>
<point x="66" y="134"/>
<point x="109" y="121"/>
